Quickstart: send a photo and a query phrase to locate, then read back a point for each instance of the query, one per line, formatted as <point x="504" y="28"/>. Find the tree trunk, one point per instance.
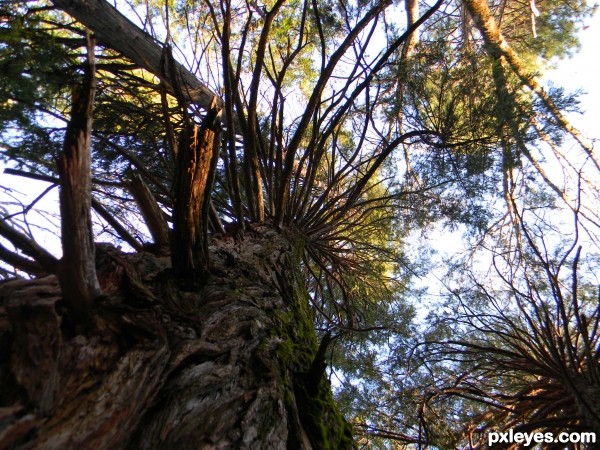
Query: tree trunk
<point x="498" y="47"/>
<point x="227" y="367"/>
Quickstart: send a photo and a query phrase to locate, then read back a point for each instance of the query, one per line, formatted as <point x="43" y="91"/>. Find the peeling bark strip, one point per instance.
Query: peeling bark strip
<point x="225" y="367"/>
<point x="77" y="270"/>
<point x="196" y="164"/>
<point x="115" y="31"/>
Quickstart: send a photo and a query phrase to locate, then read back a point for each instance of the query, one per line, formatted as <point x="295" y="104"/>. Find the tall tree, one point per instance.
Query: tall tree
<point x="258" y="144"/>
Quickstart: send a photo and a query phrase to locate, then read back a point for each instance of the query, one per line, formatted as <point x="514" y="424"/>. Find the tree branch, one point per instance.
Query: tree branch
<point x="20" y="262"/>
<point x="153" y="215"/>
<point x="28" y="246"/>
<point x="118" y="227"/>
<point x="114" y="30"/>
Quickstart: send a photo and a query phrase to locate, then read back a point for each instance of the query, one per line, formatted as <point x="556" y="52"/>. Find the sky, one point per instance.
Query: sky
<point x="582" y="71"/>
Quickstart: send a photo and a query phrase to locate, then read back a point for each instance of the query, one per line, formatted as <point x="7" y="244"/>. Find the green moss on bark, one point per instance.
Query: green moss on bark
<point x="321" y="418"/>
<point x="323" y="423"/>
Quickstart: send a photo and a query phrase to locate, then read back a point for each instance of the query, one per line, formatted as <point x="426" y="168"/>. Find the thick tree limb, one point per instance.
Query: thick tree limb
<point x="28" y="246"/>
<point x="115" y="31"/>
<point x="20" y="262"/>
<point x="77" y="273"/>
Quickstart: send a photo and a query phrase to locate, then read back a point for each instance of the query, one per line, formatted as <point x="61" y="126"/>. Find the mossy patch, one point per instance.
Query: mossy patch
<point x="321" y="418"/>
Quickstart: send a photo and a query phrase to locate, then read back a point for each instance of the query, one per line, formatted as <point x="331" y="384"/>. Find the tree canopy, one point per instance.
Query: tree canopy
<point x="359" y="129"/>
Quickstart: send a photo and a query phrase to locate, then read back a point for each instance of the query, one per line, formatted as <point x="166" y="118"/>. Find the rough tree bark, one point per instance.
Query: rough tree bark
<point x="230" y="366"/>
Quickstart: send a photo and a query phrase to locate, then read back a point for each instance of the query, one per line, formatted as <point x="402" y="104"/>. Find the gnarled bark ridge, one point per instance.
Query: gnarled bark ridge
<point x="226" y="367"/>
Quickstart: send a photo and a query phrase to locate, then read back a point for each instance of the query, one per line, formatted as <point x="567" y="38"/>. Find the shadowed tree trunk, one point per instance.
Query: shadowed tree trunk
<point x="226" y="367"/>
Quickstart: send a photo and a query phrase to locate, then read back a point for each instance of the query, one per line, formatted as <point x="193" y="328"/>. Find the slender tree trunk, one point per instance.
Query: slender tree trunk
<point x="498" y="47"/>
<point x="228" y="367"/>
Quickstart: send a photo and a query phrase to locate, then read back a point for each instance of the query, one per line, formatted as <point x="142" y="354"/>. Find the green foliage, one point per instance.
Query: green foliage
<point x="556" y="28"/>
<point x="34" y="64"/>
